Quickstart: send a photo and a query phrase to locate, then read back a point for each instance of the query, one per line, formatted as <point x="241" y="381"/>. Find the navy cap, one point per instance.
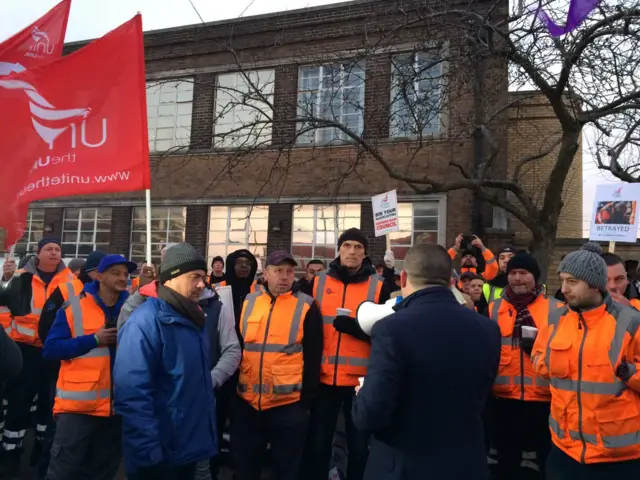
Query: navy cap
<point x="279" y="257"/>
<point x="47" y="241"/>
<point x="508" y="249"/>
<point x="93" y="261"/>
<point x="111" y="260"/>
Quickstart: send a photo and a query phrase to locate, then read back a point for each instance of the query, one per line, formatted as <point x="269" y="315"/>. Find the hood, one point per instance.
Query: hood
<point x="230" y="272"/>
<point x="336" y="270"/>
<point x="500" y="281"/>
<point x="32" y="266"/>
<point x="93" y="288"/>
<point x="150" y="290"/>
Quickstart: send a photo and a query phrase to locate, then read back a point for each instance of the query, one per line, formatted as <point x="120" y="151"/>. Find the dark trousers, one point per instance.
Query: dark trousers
<point x="520" y="426"/>
<point x="85" y="447"/>
<point x="560" y="466"/>
<point x="182" y="472"/>
<point x="20" y="393"/>
<point x="285" y="428"/>
<point x="322" y="428"/>
<point x="224" y="394"/>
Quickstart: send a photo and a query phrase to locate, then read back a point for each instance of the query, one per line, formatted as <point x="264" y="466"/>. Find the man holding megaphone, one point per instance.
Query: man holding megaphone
<point x="350" y="280"/>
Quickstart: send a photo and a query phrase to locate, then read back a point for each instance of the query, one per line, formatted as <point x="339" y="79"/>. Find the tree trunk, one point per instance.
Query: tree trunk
<point x="541" y="247"/>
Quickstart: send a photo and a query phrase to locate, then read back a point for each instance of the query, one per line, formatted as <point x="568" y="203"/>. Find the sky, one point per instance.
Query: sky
<point x="93" y="18"/>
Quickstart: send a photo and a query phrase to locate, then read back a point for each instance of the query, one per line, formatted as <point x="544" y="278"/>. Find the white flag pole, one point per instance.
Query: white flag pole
<point x="148" y="215"/>
<point x="12" y="251"/>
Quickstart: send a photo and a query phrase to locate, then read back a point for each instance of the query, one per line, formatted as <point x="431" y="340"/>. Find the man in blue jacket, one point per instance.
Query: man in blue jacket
<point x="162" y="374"/>
<point x="431" y="370"/>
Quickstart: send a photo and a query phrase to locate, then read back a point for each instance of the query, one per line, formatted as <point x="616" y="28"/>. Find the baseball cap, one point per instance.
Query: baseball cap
<point x="111" y="260"/>
<point x="279" y="257"/>
<point x="93" y="261"/>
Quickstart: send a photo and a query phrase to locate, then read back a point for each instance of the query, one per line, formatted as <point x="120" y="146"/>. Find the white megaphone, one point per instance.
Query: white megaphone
<point x="368" y="313"/>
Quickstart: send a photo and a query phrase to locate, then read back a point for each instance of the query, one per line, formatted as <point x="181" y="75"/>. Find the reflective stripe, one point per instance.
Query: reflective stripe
<point x="41" y="428"/>
<point x="97" y="352"/>
<point x="258" y="388"/>
<point x="328" y="319"/>
<point x="24" y="330"/>
<point x="353" y="361"/>
<point x="76" y="311"/>
<point x="555" y="427"/>
<point x="297" y="317"/>
<point x="242" y="387"/>
<point x="9" y="446"/>
<point x="287" y="389"/>
<point x="34" y="310"/>
<point x="500" y="380"/>
<point x="596" y="388"/>
<point x="322" y="282"/>
<point x="4" y="310"/>
<point x="274" y="348"/>
<point x="14" y="433"/>
<point x="588" y="437"/>
<point x="489" y="262"/>
<point x="622" y="441"/>
<point x="527" y="380"/>
<point x="554" y="320"/>
<point x="373" y="287"/>
<point x="626" y="322"/>
<point x="496" y="308"/>
<point x="251" y="301"/>
<point x="102" y="394"/>
<point x="70" y="290"/>
<point x="506" y="341"/>
<point x="542" y="382"/>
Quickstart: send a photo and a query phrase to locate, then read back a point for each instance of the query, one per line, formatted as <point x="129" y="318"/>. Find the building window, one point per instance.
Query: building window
<point x="330" y="92"/>
<point x="33" y="231"/>
<point x="316" y="229"/>
<point x="243" y="109"/>
<point x="167" y="226"/>
<point x="419" y="223"/>
<point x="235" y="228"/>
<point x="416" y="95"/>
<point x="169" y="105"/>
<point x="85" y="230"/>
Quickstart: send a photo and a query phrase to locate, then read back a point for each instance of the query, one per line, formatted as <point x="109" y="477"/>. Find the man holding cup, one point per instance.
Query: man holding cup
<point x="521" y="403"/>
<point x="350" y="280"/>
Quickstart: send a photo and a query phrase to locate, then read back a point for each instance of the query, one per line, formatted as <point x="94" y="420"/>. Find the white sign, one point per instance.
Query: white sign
<point x="615" y="213"/>
<point x="385" y="213"/>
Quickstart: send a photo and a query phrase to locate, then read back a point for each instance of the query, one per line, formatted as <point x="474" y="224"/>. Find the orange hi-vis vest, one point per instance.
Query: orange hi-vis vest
<point x="84" y="383"/>
<point x="5" y="319"/>
<point x="272" y="362"/>
<point x="635" y="303"/>
<point x="135" y="284"/>
<point x="24" y="329"/>
<point x="69" y="289"/>
<point x="595" y="416"/>
<point x="344" y="358"/>
<point x="255" y="287"/>
<point x="516" y="377"/>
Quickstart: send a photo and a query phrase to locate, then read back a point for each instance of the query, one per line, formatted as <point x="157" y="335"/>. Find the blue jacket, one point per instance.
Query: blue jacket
<point x="431" y="370"/>
<point x="163" y="389"/>
<point x="59" y="344"/>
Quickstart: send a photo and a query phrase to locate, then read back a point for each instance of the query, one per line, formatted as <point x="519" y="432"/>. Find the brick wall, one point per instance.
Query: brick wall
<point x="120" y="230"/>
<point x="197" y="227"/>
<point x="533" y="128"/>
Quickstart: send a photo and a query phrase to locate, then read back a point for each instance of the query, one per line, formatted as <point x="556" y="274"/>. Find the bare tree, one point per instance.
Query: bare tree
<point x="449" y="87"/>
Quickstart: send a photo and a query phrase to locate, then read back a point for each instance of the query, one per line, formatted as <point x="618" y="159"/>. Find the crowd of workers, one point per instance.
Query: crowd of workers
<point x="154" y="371"/>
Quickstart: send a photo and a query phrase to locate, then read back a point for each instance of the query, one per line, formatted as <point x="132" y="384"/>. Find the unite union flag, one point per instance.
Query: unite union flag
<point x="75" y="126"/>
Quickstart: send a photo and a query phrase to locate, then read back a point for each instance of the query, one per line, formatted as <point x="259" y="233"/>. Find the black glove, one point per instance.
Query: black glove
<point x="527" y="344"/>
<point x="623" y="372"/>
<point x="350" y="326"/>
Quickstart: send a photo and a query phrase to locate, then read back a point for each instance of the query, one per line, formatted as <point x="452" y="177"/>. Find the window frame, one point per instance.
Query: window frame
<point x="78" y="231"/>
<point x="312" y="137"/>
<point x="396" y="102"/>
<point x="248" y="245"/>
<point x="155" y="257"/>
<point x="174" y="140"/>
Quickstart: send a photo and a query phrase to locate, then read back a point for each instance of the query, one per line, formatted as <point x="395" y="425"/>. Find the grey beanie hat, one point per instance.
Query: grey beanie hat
<point x="181" y="258"/>
<point x="586" y="264"/>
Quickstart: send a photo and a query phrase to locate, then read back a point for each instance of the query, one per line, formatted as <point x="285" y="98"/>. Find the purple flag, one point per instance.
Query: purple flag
<point x="578" y="11"/>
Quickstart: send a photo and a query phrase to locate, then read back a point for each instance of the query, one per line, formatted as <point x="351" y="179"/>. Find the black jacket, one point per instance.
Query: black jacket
<point x="240" y="287"/>
<point x="431" y="370"/>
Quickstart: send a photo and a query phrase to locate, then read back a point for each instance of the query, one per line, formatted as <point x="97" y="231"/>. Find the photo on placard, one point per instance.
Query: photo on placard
<point x="618" y="212"/>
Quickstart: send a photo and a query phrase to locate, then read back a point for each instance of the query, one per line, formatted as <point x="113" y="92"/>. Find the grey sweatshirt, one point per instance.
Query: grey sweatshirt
<point x="228" y="344"/>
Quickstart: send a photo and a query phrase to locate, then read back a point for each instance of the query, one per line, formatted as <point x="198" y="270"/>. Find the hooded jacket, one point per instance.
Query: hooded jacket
<point x="240" y="287"/>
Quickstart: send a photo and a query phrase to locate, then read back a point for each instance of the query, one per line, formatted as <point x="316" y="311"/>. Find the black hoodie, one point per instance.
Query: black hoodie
<point x="240" y="287"/>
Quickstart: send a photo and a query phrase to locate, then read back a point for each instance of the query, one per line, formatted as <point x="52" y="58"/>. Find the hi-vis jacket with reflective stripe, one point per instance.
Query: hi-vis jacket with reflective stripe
<point x="516" y="378"/>
<point x="84" y="382"/>
<point x="272" y="362"/>
<point x="24" y="329"/>
<point x="491" y="292"/>
<point x="491" y="264"/>
<point x="69" y="289"/>
<point x="345" y="358"/>
<point x="595" y="417"/>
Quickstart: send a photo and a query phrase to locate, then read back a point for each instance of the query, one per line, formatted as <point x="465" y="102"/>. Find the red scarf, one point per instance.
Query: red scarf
<point x="521" y="303"/>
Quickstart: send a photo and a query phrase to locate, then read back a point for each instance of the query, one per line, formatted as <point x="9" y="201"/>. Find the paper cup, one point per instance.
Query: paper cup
<point x="529" y="332"/>
<point x="343" y="312"/>
<point x="361" y="380"/>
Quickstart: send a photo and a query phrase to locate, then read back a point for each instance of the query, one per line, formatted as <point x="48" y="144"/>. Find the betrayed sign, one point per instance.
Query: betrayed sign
<point x="615" y="217"/>
<point x="385" y="213"/>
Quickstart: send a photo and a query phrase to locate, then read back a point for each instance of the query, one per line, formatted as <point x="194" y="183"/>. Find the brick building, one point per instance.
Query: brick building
<point x="233" y="166"/>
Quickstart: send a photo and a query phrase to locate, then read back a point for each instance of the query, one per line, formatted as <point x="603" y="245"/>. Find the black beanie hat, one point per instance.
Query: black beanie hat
<point x="524" y="261"/>
<point x="47" y="241"/>
<point x="217" y="259"/>
<point x="354" y="234"/>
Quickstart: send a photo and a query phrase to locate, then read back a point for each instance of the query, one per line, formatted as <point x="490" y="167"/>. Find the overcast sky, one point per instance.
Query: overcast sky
<point x="93" y="18"/>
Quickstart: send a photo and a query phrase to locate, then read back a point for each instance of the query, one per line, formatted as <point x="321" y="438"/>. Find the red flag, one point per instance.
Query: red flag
<point x="76" y="126"/>
<point x="39" y="43"/>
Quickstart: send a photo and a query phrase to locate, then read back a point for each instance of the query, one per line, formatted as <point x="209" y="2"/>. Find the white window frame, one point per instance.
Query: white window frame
<point x="178" y="142"/>
<point x="337" y="230"/>
<point x="78" y="230"/>
<point x="436" y="125"/>
<point x="30" y="247"/>
<point x="155" y="254"/>
<point x="316" y="136"/>
<point x="252" y="134"/>
<point x="227" y="244"/>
